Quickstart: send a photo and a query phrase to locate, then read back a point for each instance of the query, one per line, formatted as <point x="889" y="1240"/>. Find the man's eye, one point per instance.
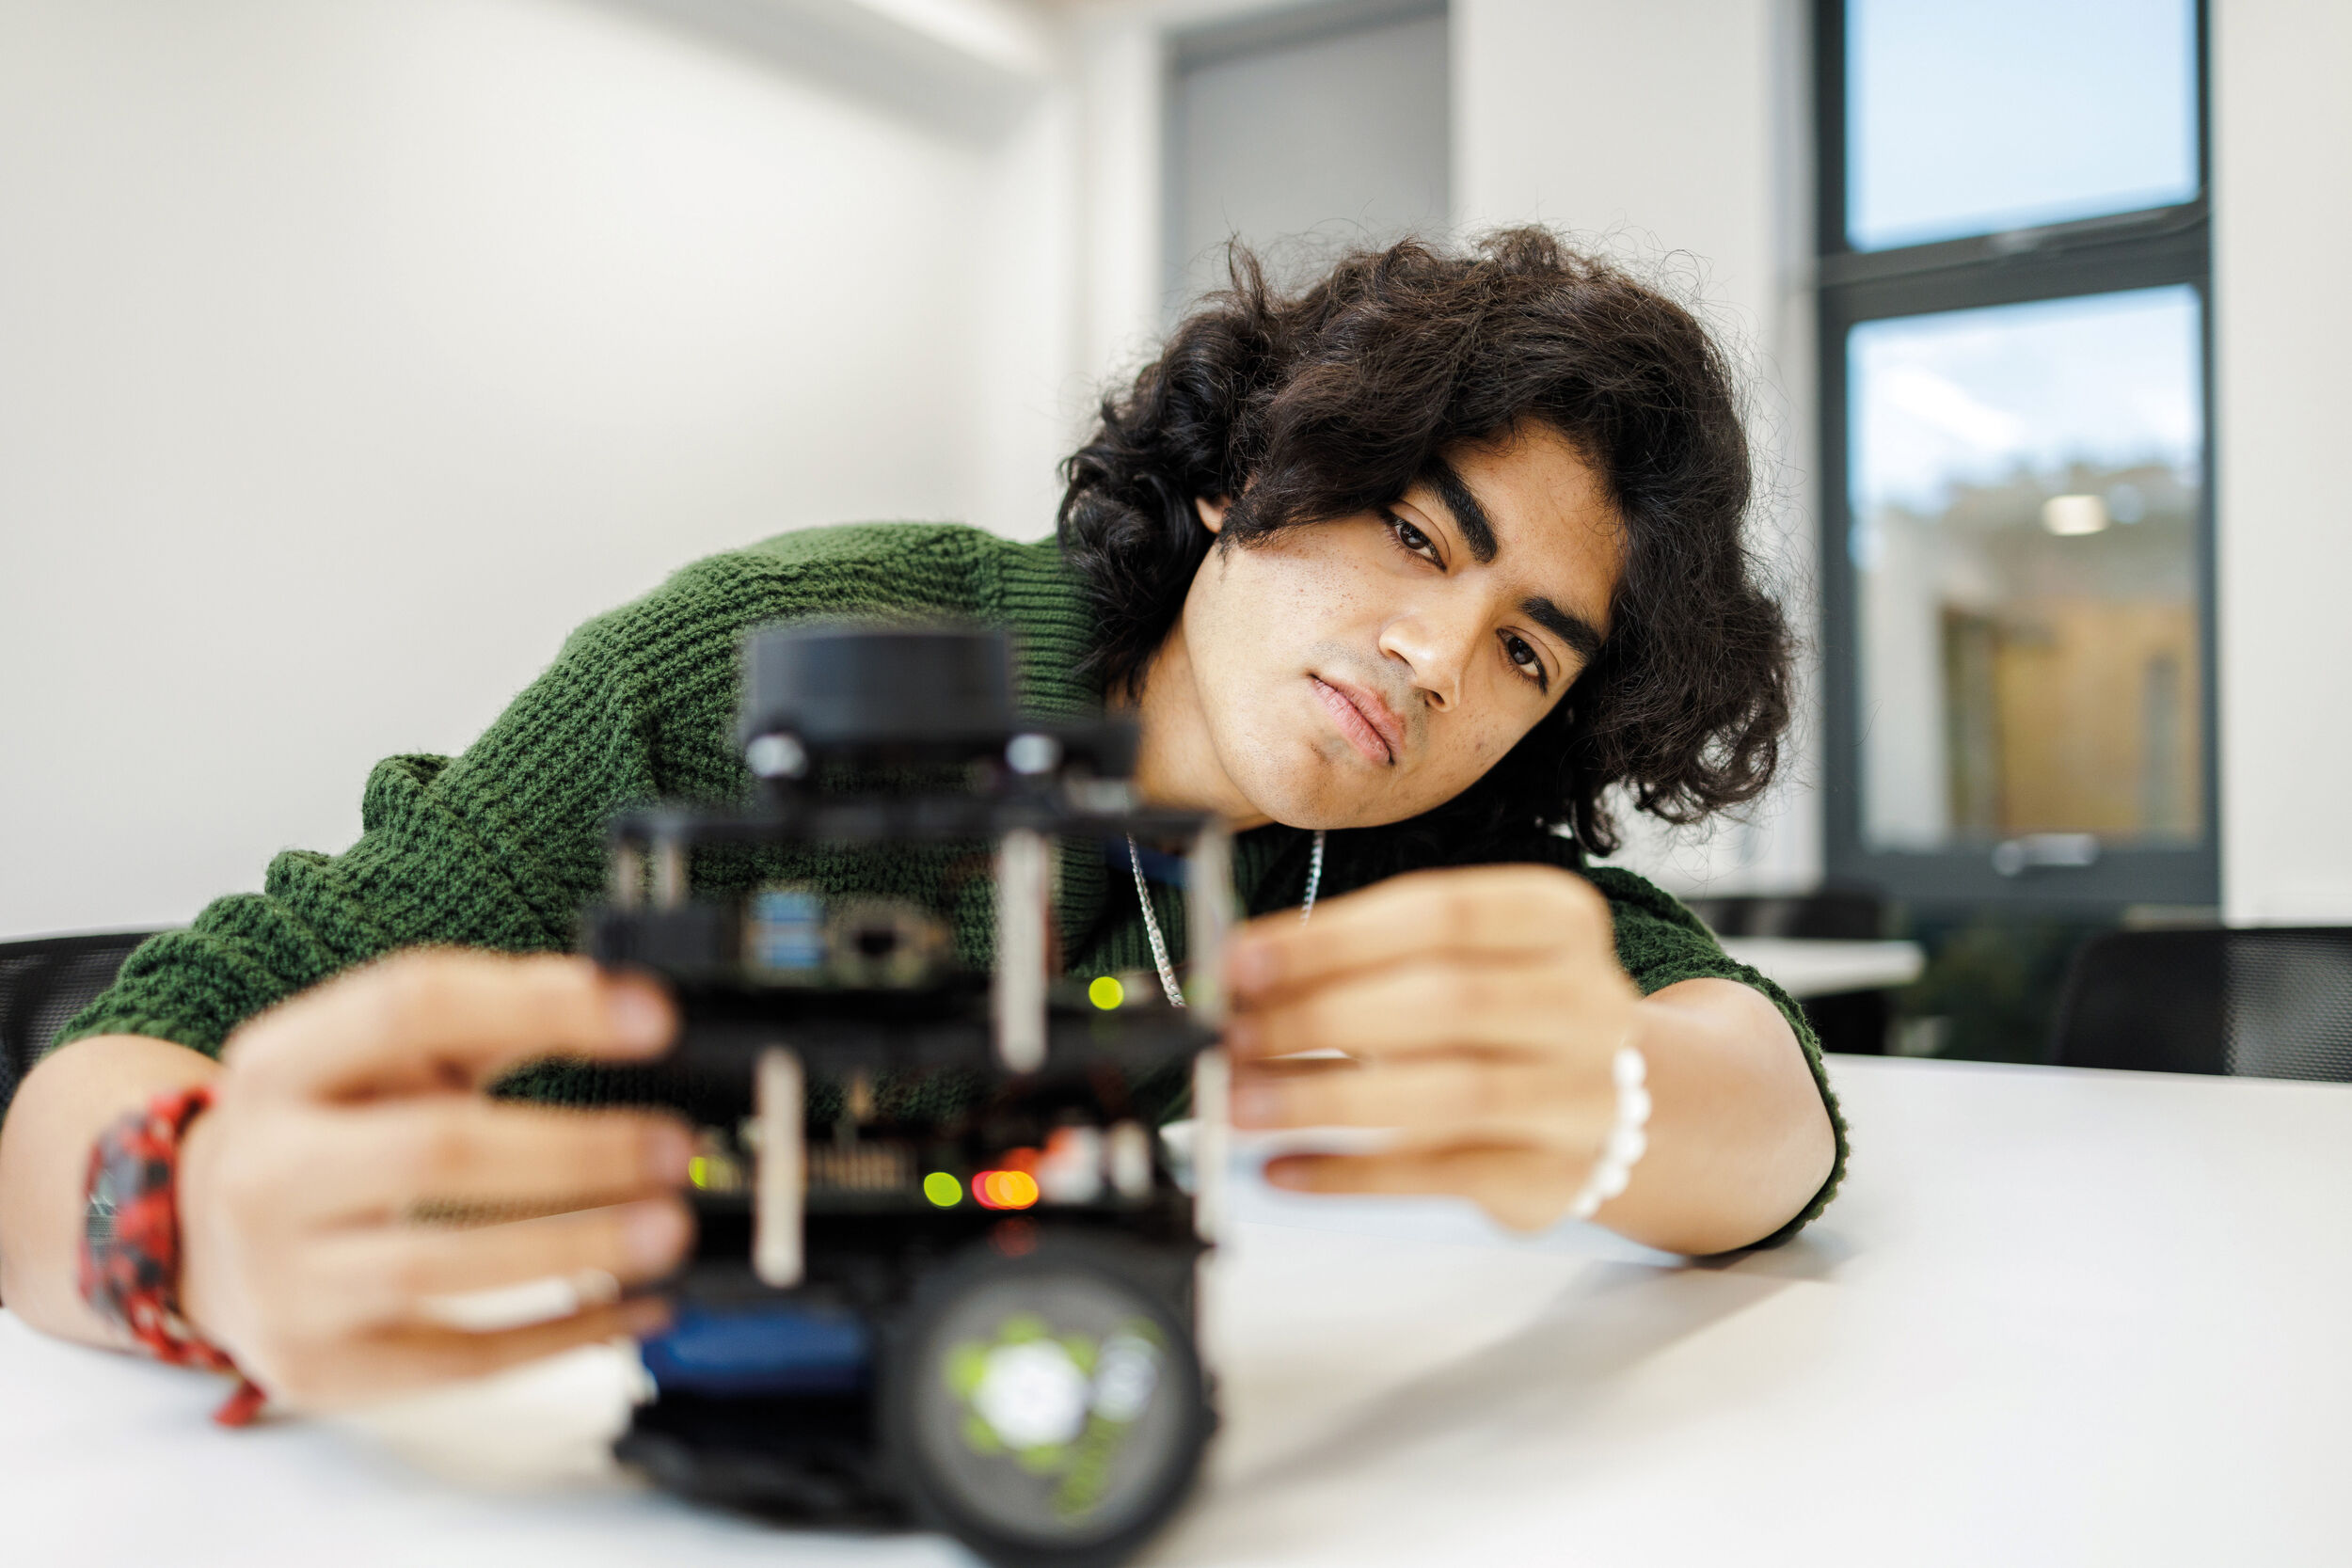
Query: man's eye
<point x="1413" y="539"/>
<point x="1521" y="653"/>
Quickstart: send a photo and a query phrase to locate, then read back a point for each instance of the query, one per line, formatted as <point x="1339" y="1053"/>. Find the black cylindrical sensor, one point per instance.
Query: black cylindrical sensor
<point x="846" y="687"/>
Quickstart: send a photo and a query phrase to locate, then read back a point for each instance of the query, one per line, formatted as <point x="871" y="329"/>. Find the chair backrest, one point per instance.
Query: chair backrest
<point x="2264" y="1002"/>
<point x="43" y="984"/>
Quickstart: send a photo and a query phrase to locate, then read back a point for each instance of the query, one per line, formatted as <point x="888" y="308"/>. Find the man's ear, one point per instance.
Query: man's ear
<point x="1212" y="512"/>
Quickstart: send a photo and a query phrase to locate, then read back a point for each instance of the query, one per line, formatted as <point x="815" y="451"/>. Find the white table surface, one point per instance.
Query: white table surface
<point x="2057" y="1317"/>
<point x="1810" y="967"/>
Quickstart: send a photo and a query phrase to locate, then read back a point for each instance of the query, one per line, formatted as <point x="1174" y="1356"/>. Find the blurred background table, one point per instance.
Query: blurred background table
<point x="1806" y="966"/>
<point x="2057" y="1317"/>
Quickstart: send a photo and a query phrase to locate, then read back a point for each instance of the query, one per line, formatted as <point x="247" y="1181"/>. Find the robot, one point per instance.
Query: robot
<point x="946" y="1266"/>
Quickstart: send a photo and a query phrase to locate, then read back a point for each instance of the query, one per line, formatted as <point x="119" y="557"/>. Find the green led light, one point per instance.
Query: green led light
<point x="943" y="1188"/>
<point x="1107" y="992"/>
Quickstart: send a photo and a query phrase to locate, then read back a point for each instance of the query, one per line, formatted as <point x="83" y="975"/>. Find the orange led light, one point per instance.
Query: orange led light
<point x="1004" y="1189"/>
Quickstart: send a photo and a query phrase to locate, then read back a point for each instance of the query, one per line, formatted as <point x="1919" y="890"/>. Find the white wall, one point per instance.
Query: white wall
<point x="2282" y="318"/>
<point x="1671" y="133"/>
<point x="350" y="353"/>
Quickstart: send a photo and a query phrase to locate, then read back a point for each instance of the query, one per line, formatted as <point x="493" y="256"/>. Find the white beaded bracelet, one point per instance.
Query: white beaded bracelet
<point x="1627" y="1142"/>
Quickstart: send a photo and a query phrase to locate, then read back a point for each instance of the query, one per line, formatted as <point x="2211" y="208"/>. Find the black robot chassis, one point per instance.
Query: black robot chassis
<point x="945" y="1263"/>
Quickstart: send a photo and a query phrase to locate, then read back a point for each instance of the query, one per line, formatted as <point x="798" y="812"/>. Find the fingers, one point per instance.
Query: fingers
<point x="379" y="1161"/>
<point x="1555" y="1102"/>
<point x="1428" y="1002"/>
<point x="380" y="1276"/>
<point x="446" y="1019"/>
<point x="404" y="1359"/>
<point x="294" y="1228"/>
<point x="1524" y="1187"/>
<point x="1490" y="909"/>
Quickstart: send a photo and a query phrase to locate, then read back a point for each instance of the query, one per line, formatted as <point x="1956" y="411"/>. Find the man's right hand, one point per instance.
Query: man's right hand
<point x="346" y="1112"/>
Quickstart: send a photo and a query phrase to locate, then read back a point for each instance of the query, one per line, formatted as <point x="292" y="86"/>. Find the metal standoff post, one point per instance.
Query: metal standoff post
<point x="1024" y="918"/>
<point x="1209" y="915"/>
<point x="778" y="1255"/>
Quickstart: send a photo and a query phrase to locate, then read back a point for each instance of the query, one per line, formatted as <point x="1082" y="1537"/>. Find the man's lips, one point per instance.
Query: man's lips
<point x="1371" y="726"/>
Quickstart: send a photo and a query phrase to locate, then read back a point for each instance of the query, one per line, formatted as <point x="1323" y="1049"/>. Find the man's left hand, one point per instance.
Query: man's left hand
<point x="1479" y="1011"/>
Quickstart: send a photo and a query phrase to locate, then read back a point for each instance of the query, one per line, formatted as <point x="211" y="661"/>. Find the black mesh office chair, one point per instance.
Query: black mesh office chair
<point x="45" y="982"/>
<point x="2263" y="1002"/>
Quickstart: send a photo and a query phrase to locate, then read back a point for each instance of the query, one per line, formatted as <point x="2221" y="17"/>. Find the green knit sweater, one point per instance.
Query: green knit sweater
<point x="501" y="848"/>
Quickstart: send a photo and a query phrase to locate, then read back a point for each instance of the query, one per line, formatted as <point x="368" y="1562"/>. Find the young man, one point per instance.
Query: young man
<point x="1401" y="575"/>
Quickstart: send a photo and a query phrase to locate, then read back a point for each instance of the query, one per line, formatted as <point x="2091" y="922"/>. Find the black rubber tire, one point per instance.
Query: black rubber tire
<point x="1096" y="1300"/>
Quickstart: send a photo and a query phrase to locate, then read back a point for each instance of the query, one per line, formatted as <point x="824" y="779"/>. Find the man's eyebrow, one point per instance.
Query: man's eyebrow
<point x="1468" y="515"/>
<point x="1575" y="632"/>
<point x="1581" y="636"/>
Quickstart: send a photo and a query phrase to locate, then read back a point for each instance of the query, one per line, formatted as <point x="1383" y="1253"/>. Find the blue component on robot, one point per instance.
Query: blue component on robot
<point x="787" y="931"/>
<point x="764" y="1348"/>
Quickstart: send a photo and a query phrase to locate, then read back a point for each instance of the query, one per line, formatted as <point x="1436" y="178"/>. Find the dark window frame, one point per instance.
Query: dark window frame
<point x="2149" y="248"/>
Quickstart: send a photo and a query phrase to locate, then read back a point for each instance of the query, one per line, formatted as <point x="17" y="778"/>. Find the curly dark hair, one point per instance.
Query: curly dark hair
<point x="1333" y="400"/>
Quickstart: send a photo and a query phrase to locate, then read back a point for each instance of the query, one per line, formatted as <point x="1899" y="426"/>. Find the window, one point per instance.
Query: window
<point x="2001" y="115"/>
<point x="2017" y="557"/>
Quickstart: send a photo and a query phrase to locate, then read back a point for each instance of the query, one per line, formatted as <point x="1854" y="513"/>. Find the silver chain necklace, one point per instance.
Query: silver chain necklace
<point x="1152" y="921"/>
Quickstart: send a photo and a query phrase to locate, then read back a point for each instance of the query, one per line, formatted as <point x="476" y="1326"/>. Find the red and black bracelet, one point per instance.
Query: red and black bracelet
<point x="129" y="1254"/>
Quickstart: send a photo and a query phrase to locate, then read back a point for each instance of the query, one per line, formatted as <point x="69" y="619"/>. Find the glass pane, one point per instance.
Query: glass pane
<point x="2026" y="485"/>
<point x="2002" y="114"/>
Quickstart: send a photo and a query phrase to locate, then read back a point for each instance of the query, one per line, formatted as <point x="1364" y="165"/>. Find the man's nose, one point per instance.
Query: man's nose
<point x="1436" y="650"/>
